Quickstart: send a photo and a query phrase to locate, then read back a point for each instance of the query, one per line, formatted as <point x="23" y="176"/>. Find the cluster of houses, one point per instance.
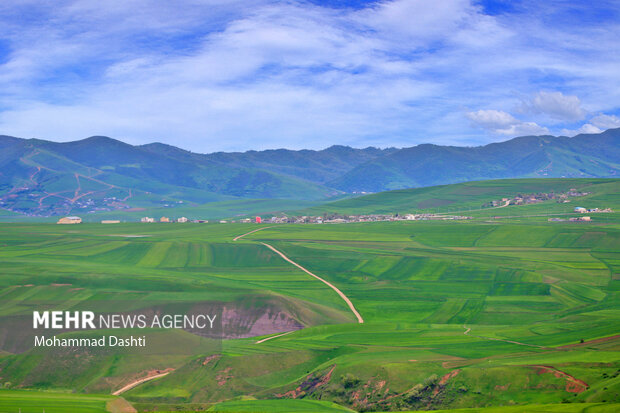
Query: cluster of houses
<point x="78" y="220"/>
<point x="166" y="219"/>
<point x="574" y="219"/>
<point x="525" y="199"/>
<point x="197" y="221"/>
<point x="582" y="210"/>
<point x="340" y="219"/>
<point x="327" y="219"/>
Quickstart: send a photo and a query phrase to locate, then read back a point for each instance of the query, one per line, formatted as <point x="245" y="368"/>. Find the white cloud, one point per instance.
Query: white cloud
<point x="585" y="128"/>
<point x="217" y="74"/>
<point x="523" y="128"/>
<point x="492" y="119"/>
<point x="605" y="121"/>
<point x="589" y="128"/>
<point x="556" y="105"/>
<point x="415" y="22"/>
<point x="597" y="124"/>
<point x="503" y="123"/>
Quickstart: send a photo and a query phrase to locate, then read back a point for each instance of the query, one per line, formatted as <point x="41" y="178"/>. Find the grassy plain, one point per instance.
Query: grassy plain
<point x="478" y="313"/>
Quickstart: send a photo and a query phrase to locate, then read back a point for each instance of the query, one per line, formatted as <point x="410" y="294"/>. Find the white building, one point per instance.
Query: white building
<point x="70" y="220"/>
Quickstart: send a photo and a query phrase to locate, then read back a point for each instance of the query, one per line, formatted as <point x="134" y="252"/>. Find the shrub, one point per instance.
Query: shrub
<point x="349" y="380"/>
<point x="431" y="380"/>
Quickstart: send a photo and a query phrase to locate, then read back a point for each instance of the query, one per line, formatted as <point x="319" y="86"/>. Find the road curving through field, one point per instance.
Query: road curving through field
<point x="251" y="232"/>
<point x="140" y="381"/>
<point x="501" y="339"/>
<point x="330" y="285"/>
<point x="272" y="337"/>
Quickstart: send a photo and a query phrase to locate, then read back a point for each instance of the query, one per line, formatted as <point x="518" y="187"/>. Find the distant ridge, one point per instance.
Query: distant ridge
<point x="591" y="155"/>
<point x="39" y="177"/>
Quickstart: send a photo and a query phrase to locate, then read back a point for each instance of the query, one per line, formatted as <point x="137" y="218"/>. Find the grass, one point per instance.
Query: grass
<point x="528" y="290"/>
<point x="268" y="406"/>
<point x="540" y="408"/>
<point x="36" y="401"/>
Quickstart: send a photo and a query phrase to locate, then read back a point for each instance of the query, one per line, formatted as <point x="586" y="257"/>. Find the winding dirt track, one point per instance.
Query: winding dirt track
<point x="501" y="339"/>
<point x="251" y="232"/>
<point x="140" y="381"/>
<point x="272" y="337"/>
<point x="330" y="285"/>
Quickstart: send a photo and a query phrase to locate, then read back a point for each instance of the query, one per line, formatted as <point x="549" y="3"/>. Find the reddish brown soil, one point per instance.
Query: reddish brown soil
<point x="573" y="385"/>
<point x="448" y="376"/>
<point x="309" y="385"/>
<point x="210" y="358"/>
<point x="444" y="379"/>
<point x="223" y="376"/>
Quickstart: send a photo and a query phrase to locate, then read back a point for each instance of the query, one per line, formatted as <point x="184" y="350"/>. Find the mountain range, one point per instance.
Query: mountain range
<point x="39" y="177"/>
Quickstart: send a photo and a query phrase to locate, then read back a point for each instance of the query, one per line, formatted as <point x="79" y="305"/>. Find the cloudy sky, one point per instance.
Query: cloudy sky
<point x="210" y="75"/>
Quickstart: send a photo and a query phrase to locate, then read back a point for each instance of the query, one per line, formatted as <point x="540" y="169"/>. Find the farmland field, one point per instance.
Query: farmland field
<point x="35" y="401"/>
<point x="464" y="314"/>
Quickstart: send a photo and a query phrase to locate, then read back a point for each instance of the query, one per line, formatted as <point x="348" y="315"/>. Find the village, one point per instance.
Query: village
<point x="335" y="218"/>
<point x="582" y="210"/>
<point x="332" y="218"/>
<point x="527" y="199"/>
<point x="325" y="219"/>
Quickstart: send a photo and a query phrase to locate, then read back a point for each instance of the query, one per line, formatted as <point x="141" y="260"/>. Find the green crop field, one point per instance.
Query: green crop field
<point x="512" y="314"/>
<point x="36" y="402"/>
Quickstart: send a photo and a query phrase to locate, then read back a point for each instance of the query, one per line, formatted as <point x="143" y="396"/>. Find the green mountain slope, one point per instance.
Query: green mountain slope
<point x="594" y="155"/>
<point x="101" y="174"/>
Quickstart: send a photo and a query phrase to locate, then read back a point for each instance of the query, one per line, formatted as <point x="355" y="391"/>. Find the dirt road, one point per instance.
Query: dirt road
<point x="501" y="339"/>
<point x="330" y="285"/>
<point x="140" y="381"/>
<point x="251" y="232"/>
<point x="272" y="337"/>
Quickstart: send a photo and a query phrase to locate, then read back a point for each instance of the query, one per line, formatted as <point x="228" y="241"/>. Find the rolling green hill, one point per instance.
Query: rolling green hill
<point x="470" y="197"/>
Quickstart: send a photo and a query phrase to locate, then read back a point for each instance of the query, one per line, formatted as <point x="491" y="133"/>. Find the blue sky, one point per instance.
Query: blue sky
<point x="223" y="75"/>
